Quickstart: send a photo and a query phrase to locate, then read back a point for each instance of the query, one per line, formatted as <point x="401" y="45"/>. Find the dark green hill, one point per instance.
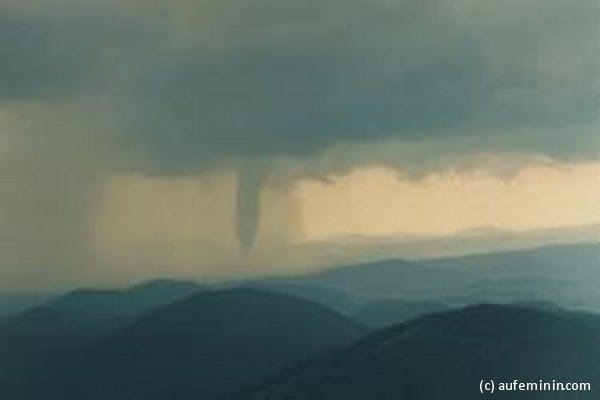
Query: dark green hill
<point x="382" y="313"/>
<point x="331" y="298"/>
<point x="40" y="337"/>
<point x="444" y="356"/>
<point x="209" y="344"/>
<point x="14" y="303"/>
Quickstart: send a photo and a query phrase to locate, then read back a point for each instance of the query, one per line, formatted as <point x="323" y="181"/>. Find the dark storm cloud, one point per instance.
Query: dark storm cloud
<point x="295" y="103"/>
<point x="90" y="89"/>
<point x="266" y="77"/>
<point x="42" y="58"/>
<point x="289" y="80"/>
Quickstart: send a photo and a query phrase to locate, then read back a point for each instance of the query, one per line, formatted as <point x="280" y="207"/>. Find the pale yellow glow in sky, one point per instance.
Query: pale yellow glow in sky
<point x="173" y="222"/>
<point x="183" y="223"/>
<point x="378" y="201"/>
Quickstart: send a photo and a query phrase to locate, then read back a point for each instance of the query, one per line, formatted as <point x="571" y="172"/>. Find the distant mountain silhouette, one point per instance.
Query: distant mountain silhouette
<point x="206" y="345"/>
<point x="121" y="303"/>
<point x="12" y="304"/>
<point x="42" y="336"/>
<point x="335" y="299"/>
<point x="382" y="313"/>
<point x="178" y="340"/>
<point x="363" y="249"/>
<point x="540" y="305"/>
<point x="568" y="276"/>
<point x="376" y="313"/>
<point x="444" y="356"/>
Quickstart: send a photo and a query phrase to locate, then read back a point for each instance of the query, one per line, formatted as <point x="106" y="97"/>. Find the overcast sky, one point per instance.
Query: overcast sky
<point x="203" y="137"/>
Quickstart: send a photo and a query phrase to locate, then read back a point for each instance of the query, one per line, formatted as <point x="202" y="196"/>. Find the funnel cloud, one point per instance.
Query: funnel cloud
<point x="249" y="183"/>
<point x="96" y="91"/>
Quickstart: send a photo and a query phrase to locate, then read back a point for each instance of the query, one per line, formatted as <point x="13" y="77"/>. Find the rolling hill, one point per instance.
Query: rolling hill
<point x="203" y="347"/>
<point x="444" y="356"/>
<point x="38" y="338"/>
<point x="568" y="276"/>
<point x="382" y="313"/>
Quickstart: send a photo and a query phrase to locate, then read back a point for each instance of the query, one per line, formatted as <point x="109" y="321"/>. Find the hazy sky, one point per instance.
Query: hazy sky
<point x="188" y="137"/>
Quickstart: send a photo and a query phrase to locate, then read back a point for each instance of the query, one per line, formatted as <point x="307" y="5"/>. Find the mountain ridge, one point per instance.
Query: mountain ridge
<point x="445" y="355"/>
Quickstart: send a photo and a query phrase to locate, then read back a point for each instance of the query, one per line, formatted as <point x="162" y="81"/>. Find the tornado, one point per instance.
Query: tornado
<point x="249" y="183"/>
